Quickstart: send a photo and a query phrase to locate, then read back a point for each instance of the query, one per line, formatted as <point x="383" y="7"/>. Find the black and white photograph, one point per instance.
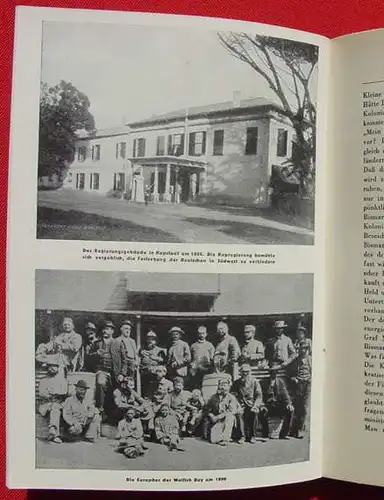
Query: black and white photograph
<point x="153" y="133"/>
<point x="172" y="371"/>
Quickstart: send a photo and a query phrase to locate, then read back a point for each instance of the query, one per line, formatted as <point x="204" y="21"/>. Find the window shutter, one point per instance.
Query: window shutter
<point x="204" y="143"/>
<point x="117" y="150"/>
<point x="192" y="137"/>
<point x="170" y="145"/>
<point x="182" y="139"/>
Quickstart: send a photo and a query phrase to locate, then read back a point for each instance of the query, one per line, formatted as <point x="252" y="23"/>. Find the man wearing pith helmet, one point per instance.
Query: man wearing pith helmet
<point x="179" y="354"/>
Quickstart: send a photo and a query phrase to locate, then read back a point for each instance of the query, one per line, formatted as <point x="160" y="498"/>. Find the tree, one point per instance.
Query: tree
<point x="288" y="67"/>
<point x="64" y="111"/>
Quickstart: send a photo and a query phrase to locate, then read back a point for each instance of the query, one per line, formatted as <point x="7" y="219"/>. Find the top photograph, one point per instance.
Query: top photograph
<point x="153" y="133"/>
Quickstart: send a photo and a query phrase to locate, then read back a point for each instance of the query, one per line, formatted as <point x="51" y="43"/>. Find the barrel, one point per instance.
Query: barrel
<point x="210" y="382"/>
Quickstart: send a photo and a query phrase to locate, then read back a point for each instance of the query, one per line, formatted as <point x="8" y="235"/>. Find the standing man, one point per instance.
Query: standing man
<point x="227" y="351"/>
<point x="202" y="353"/>
<point x="101" y="358"/>
<point x="179" y="354"/>
<point x="125" y="358"/>
<point x="81" y="417"/>
<point x="220" y="411"/>
<point x="278" y="402"/>
<point x="247" y="391"/>
<point x="151" y="356"/>
<point x="252" y="352"/>
<point x="52" y="392"/>
<point x="89" y="348"/>
<point x="301" y="337"/>
<point x="281" y="349"/>
<point x="302" y="389"/>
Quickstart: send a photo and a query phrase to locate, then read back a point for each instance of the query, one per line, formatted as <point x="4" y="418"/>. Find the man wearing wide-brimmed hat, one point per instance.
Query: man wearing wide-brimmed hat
<point x="151" y="356"/>
<point x="52" y="392"/>
<point x="89" y="348"/>
<point x="124" y="352"/>
<point x="179" y="354"/>
<point x="301" y="338"/>
<point x="301" y="378"/>
<point x="281" y="351"/>
<point x="80" y="414"/>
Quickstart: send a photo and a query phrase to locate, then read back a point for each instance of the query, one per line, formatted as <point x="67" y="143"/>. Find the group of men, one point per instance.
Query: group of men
<point x="171" y="403"/>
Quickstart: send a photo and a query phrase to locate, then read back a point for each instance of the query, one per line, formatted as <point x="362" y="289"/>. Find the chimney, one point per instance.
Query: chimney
<point x="236" y="98"/>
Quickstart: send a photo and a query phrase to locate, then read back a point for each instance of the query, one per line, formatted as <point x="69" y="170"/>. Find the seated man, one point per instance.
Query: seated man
<point x="220" y="411"/>
<point x="194" y="409"/>
<point x="81" y="416"/>
<point x="247" y="391"/>
<point x="278" y="402"/>
<point x="52" y="392"/>
<point x="130" y="435"/>
<point x="160" y="382"/>
<point x="167" y="429"/>
<point x="178" y="400"/>
<point x="126" y="397"/>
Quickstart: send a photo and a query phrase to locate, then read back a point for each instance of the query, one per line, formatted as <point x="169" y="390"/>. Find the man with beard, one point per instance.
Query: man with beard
<point x="89" y="349"/>
<point x="220" y="412"/>
<point x="202" y="353"/>
<point x="252" y="352"/>
<point x="66" y="344"/>
<point x="227" y="351"/>
<point x="101" y="357"/>
<point x="81" y="416"/>
<point x="179" y="354"/>
<point x="151" y="357"/>
<point x="247" y="391"/>
<point x="178" y="400"/>
<point x="124" y="352"/>
<point x="278" y="402"/>
<point x="52" y="392"/>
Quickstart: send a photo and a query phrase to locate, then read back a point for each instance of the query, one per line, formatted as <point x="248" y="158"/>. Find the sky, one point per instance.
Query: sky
<point x="133" y="72"/>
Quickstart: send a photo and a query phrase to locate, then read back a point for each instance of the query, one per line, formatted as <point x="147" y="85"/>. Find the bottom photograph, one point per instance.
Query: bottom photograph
<point x="172" y="371"/>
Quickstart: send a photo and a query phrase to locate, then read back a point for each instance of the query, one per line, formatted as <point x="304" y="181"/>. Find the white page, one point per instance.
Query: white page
<point x="354" y="387"/>
<point x="30" y="261"/>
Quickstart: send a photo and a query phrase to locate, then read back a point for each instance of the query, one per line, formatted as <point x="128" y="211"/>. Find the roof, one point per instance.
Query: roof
<point x="236" y="294"/>
<point x="209" y="109"/>
<point x="104" y="132"/>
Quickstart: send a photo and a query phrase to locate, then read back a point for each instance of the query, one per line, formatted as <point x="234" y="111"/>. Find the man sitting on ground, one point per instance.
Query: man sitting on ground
<point x="167" y="429"/>
<point x="130" y="435"/>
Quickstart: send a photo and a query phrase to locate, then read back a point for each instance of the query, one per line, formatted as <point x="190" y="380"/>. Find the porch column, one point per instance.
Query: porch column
<point x="167" y="193"/>
<point x="138" y="345"/>
<point x="156" y="185"/>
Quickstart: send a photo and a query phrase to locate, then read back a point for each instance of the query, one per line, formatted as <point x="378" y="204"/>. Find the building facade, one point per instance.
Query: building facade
<point x="221" y="153"/>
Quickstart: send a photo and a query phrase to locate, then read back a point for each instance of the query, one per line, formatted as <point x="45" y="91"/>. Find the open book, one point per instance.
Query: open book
<point x="195" y="254"/>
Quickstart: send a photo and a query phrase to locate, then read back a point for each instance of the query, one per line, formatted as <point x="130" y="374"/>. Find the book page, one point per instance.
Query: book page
<point x="354" y="418"/>
<point x="165" y="274"/>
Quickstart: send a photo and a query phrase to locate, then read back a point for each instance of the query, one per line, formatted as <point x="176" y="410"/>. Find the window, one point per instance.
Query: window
<point x="218" y="142"/>
<point x="251" y="143"/>
<point x="197" y="142"/>
<point x="160" y="146"/>
<point x="81" y="153"/>
<point x="282" y="142"/>
<point x="96" y="152"/>
<point x="119" y="181"/>
<point x="176" y="144"/>
<point x="69" y="178"/>
<point x="94" y="182"/>
<point x="139" y="147"/>
<point x="80" y="181"/>
<point x="121" y="149"/>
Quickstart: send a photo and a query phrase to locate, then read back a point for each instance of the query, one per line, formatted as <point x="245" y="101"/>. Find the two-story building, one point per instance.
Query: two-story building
<point x="222" y="152"/>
